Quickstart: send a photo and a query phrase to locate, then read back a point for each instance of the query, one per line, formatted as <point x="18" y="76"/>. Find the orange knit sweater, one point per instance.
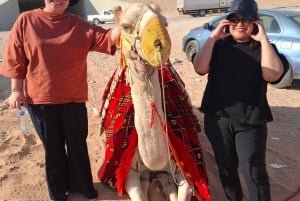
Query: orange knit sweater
<point x="49" y="52"/>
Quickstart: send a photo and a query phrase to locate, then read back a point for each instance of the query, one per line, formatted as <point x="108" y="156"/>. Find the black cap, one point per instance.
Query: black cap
<point x="245" y="8"/>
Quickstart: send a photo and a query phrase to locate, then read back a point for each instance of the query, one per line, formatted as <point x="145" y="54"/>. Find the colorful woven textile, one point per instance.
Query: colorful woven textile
<point x="121" y="136"/>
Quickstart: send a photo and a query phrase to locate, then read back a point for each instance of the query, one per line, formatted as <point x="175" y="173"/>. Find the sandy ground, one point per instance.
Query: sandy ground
<point x="22" y="175"/>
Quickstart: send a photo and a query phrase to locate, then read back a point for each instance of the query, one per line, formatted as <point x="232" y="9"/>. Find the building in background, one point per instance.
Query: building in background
<point x="10" y="9"/>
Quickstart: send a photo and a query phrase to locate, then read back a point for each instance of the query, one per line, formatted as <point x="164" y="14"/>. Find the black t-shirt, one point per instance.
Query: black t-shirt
<point x="235" y="84"/>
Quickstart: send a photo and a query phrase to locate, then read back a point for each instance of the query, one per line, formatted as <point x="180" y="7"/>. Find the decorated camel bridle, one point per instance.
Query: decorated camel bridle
<point x="151" y="43"/>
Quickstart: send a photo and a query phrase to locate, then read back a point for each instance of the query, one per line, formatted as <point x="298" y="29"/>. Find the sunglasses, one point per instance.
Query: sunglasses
<point x="236" y="21"/>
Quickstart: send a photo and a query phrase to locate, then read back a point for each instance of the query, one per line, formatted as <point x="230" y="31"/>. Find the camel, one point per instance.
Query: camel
<point x="149" y="154"/>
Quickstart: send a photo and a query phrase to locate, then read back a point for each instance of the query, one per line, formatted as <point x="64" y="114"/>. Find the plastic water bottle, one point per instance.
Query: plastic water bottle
<point x="24" y="119"/>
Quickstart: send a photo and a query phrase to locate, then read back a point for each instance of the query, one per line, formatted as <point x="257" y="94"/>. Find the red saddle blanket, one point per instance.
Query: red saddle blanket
<point x="117" y="114"/>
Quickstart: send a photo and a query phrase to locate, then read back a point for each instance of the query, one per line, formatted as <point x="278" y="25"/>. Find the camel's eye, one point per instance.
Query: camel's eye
<point x="127" y="28"/>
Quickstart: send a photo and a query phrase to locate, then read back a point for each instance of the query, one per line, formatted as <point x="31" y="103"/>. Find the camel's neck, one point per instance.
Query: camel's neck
<point x="149" y="116"/>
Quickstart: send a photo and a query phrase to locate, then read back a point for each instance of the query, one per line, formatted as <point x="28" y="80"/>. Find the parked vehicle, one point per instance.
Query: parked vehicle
<point x="282" y="28"/>
<point x="202" y="7"/>
<point x="102" y="17"/>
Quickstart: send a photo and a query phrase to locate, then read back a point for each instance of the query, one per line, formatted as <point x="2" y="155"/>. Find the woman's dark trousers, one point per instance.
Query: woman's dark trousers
<point x="233" y="144"/>
<point x="63" y="130"/>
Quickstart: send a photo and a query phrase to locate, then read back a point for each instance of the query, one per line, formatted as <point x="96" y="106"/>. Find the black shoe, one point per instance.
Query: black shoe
<point x="59" y="200"/>
<point x="91" y="196"/>
<point x="64" y="198"/>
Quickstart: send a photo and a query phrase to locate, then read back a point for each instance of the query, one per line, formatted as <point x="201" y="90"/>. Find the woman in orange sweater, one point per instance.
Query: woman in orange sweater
<point x="47" y="50"/>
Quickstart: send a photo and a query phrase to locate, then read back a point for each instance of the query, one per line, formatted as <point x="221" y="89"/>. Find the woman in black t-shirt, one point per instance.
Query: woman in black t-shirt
<point x="240" y="61"/>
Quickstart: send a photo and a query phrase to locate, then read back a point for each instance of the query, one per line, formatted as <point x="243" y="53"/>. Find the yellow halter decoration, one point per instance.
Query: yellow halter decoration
<point x="153" y="42"/>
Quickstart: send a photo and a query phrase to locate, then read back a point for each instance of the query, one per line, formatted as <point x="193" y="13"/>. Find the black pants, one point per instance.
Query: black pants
<point x="233" y="144"/>
<point x="63" y="131"/>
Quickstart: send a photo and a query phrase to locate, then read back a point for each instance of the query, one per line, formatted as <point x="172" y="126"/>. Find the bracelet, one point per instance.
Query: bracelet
<point x="16" y="90"/>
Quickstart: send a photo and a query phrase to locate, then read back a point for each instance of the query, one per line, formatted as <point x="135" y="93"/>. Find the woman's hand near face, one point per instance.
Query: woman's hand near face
<point x="219" y="32"/>
<point x="202" y="58"/>
<point x="261" y="34"/>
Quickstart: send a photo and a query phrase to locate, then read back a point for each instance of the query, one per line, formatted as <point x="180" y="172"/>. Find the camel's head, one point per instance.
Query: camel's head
<point x="144" y="34"/>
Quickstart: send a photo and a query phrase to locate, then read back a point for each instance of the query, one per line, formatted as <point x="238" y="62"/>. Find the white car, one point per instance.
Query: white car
<point x="101" y="18"/>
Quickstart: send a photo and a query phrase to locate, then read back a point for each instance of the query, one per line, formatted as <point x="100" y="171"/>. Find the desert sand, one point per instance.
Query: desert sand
<point x="22" y="166"/>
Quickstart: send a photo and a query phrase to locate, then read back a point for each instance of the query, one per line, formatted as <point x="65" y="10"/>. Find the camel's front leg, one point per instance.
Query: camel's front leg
<point x="184" y="190"/>
<point x="133" y="186"/>
<point x="183" y="193"/>
<point x="168" y="185"/>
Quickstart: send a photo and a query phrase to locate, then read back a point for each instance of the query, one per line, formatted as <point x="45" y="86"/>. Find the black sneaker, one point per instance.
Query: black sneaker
<point x="91" y="196"/>
<point x="64" y="198"/>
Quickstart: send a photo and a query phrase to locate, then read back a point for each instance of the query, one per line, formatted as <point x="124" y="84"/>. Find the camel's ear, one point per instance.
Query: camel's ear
<point x="155" y="7"/>
<point x="117" y="10"/>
